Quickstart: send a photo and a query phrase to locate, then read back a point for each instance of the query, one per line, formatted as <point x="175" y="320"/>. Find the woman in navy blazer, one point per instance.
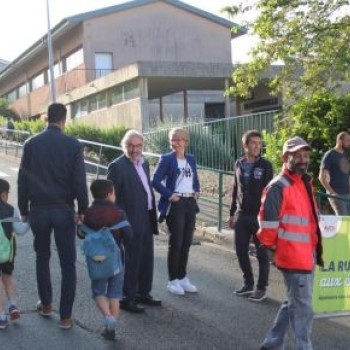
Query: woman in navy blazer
<point x="176" y="179"/>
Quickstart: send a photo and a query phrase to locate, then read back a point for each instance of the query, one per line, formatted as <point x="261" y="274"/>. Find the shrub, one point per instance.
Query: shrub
<point x="317" y="119"/>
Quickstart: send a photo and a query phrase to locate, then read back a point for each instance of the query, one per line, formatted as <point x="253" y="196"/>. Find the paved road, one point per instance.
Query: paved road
<point x="212" y="319"/>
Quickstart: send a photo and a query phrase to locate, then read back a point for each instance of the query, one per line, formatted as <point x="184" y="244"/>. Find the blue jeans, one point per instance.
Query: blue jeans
<point x="111" y="288"/>
<point x="296" y="311"/>
<point x="61" y="222"/>
<point x="341" y="207"/>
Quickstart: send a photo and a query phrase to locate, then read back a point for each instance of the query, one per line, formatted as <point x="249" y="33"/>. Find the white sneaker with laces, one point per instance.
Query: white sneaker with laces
<point x="187" y="286"/>
<point x="174" y="287"/>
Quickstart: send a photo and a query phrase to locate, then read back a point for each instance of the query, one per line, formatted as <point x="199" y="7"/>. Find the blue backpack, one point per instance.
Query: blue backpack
<point x="102" y="253"/>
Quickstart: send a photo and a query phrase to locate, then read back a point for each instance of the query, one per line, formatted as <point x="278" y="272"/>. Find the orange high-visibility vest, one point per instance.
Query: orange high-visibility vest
<point x="288" y="221"/>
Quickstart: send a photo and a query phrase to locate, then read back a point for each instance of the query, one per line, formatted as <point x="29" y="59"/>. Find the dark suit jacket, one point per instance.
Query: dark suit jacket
<point x="130" y="193"/>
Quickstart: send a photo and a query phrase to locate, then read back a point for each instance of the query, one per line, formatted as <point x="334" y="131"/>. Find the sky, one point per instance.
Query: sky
<point x="23" y="22"/>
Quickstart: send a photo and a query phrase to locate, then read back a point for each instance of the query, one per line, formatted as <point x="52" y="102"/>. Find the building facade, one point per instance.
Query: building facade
<point x="137" y="64"/>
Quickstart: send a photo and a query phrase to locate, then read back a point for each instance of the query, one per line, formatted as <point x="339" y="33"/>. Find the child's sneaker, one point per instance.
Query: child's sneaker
<point x="108" y="334"/>
<point x="109" y="328"/>
<point x="14" y="312"/>
<point x="3" y="322"/>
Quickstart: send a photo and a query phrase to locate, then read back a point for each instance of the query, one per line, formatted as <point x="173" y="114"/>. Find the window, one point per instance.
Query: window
<point x="22" y="90"/>
<point x="116" y="95"/>
<point x="103" y="63"/>
<point x="38" y="81"/>
<point x="102" y="100"/>
<point x="93" y="103"/>
<point x="57" y="71"/>
<point x="12" y="96"/>
<point x="79" y="109"/>
<point x="74" y="59"/>
<point x="131" y="90"/>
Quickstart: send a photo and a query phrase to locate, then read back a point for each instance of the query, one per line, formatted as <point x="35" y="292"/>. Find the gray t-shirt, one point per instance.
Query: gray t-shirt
<point x="337" y="165"/>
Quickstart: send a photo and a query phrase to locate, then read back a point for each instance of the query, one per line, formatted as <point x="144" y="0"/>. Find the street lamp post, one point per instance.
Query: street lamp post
<point x="50" y="50"/>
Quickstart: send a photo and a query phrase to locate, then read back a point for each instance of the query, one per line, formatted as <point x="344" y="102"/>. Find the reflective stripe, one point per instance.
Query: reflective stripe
<point x="302" y="237"/>
<point x="268" y="224"/>
<point x="282" y="179"/>
<point x="295" y="220"/>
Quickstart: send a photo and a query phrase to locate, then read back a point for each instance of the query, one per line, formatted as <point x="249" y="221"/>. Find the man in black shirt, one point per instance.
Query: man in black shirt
<point x="334" y="174"/>
<point x="252" y="174"/>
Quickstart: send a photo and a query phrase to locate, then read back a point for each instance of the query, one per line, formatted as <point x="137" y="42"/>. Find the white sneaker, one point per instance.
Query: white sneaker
<point x="174" y="287"/>
<point x="187" y="286"/>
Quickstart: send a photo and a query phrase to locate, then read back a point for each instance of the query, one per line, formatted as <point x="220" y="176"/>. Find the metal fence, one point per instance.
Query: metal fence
<point x="216" y="144"/>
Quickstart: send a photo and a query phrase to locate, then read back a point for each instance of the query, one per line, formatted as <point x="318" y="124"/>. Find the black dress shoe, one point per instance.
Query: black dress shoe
<point x="131" y="306"/>
<point x="147" y="299"/>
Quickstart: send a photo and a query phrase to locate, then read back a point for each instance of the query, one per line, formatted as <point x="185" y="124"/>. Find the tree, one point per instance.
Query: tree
<point x="311" y="38"/>
<point x="5" y="111"/>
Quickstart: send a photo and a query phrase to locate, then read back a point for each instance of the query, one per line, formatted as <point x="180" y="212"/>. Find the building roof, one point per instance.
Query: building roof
<point x="3" y="64"/>
<point x="68" y="23"/>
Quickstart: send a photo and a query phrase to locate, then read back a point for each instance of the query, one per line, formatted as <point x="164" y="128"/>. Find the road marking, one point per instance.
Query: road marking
<point x="4" y="174"/>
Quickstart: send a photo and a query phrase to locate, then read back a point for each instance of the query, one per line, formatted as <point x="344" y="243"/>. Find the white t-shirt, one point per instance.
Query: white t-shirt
<point x="184" y="182"/>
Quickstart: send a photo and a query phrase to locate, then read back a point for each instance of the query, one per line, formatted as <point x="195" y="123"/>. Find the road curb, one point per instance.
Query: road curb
<point x="212" y="235"/>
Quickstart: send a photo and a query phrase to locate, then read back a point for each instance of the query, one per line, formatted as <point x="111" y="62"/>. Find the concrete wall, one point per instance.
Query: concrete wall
<point x="126" y="114"/>
<point x="156" y="32"/>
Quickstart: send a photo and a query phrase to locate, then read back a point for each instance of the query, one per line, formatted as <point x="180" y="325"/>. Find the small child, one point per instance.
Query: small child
<point x="11" y="222"/>
<point x="104" y="213"/>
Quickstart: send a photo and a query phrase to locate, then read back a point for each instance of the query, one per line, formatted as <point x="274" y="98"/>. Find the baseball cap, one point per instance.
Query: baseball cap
<point x="295" y="144"/>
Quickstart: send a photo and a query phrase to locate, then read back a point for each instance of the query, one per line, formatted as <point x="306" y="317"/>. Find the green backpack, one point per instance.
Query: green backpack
<point x="6" y="246"/>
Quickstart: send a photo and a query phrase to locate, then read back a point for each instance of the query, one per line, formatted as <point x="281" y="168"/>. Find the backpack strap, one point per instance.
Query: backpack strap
<point x="117" y="226"/>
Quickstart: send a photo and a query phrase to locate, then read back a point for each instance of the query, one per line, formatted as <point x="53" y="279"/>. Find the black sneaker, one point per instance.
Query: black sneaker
<point x="245" y="290"/>
<point x="258" y="296"/>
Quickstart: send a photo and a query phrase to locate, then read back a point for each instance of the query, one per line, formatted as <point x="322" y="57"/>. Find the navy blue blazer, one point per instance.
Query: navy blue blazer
<point x="166" y="169"/>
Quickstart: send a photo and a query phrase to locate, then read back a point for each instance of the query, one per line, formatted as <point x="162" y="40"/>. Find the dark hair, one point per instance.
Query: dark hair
<point x="56" y="112"/>
<point x="101" y="188"/>
<point x="249" y="134"/>
<point x="4" y="186"/>
<point x="341" y="136"/>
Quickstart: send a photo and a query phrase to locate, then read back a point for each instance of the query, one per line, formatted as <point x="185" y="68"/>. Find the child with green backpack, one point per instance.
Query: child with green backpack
<point x="10" y="222"/>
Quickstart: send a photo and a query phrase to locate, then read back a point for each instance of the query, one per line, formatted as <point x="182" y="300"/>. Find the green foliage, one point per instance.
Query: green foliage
<point x="311" y="38"/>
<point x="318" y="120"/>
<point x="111" y="136"/>
<point x="5" y="111"/>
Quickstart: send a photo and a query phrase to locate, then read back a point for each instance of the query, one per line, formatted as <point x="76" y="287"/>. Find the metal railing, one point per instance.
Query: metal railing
<point x="216" y="144"/>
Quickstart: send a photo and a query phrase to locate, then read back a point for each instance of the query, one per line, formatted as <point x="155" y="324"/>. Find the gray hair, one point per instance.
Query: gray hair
<point x="128" y="136"/>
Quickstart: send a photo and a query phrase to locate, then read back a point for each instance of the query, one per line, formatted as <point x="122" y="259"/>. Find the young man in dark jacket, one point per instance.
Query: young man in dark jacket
<point x="50" y="178"/>
<point x="252" y="174"/>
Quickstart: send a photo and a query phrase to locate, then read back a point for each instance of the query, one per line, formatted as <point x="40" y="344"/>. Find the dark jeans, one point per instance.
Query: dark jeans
<point x="61" y="222"/>
<point x="246" y="228"/>
<point x="139" y="258"/>
<point x="181" y="222"/>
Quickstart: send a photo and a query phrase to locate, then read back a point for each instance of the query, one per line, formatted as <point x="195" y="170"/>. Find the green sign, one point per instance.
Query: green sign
<point x="332" y="283"/>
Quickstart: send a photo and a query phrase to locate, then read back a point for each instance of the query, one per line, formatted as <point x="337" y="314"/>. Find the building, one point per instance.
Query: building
<point x="138" y="64"/>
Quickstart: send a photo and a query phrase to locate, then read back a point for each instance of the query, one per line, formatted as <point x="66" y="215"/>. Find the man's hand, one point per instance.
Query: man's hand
<point x="231" y="221"/>
<point x="79" y="218"/>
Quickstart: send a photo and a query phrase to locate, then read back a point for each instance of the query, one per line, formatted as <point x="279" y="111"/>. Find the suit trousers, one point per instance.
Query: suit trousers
<point x="61" y="222"/>
<point x="181" y="222"/>
<point x="139" y="261"/>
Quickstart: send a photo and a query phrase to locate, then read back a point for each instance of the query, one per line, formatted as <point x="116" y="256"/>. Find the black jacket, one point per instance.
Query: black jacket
<point x="52" y="172"/>
<point x="246" y="200"/>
